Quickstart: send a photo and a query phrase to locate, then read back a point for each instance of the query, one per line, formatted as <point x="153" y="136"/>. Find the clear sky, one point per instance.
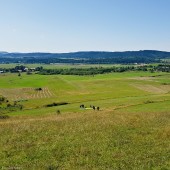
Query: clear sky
<point x="84" y="25"/>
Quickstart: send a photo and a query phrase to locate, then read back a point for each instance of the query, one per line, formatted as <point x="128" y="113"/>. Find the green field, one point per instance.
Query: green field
<point x="130" y="131"/>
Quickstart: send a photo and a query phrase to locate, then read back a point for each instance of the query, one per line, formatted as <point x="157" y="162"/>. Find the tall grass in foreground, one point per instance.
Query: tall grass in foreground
<point x="91" y="140"/>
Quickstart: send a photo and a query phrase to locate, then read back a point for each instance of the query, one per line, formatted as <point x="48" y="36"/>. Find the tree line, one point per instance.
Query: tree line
<point x="89" y="71"/>
<point x="103" y="70"/>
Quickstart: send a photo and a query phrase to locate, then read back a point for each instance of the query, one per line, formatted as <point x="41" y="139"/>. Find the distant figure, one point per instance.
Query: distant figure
<point x="58" y="112"/>
<point x="82" y="106"/>
<point x="93" y="107"/>
<point x="98" y="108"/>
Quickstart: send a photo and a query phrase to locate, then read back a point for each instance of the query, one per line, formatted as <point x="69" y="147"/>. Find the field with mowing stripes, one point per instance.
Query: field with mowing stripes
<point x="130" y="131"/>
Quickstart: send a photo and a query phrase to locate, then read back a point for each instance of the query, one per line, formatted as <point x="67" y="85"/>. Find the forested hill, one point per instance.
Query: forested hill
<point x="145" y="56"/>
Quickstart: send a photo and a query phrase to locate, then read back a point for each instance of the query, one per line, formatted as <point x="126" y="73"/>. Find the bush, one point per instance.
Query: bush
<point x="2" y="99"/>
<point x="148" y="101"/>
<point x="4" y="116"/>
<point x="58" y="112"/>
<point x="56" y="104"/>
<point x="38" y="89"/>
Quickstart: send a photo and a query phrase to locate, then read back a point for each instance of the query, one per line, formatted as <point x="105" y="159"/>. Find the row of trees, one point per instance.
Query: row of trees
<point x="102" y="70"/>
<point x="89" y="71"/>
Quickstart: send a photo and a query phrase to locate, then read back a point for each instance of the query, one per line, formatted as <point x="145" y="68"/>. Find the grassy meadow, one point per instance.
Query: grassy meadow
<point x="130" y="131"/>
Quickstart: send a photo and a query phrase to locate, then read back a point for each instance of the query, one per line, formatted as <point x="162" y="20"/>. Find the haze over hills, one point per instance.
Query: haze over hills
<point x="142" y="56"/>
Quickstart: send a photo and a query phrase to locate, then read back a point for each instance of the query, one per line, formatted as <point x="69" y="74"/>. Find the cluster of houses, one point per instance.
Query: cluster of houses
<point x="27" y="69"/>
<point x="18" y="69"/>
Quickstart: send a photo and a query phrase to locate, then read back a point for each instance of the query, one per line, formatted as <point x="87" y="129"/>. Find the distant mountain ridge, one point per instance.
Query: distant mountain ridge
<point x="89" y="54"/>
<point x="86" y="57"/>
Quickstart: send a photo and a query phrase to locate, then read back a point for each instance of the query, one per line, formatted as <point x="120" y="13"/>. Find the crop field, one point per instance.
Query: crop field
<point x="25" y="93"/>
<point x="131" y="130"/>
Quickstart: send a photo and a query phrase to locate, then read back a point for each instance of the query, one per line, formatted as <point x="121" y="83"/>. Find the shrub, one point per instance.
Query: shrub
<point x="38" y="89"/>
<point x="4" y="116"/>
<point x="58" y="112"/>
<point x="2" y="99"/>
<point x="148" y="101"/>
<point x="56" y="104"/>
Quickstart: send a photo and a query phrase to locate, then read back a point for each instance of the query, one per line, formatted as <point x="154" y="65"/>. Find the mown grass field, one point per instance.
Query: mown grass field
<point x="131" y="130"/>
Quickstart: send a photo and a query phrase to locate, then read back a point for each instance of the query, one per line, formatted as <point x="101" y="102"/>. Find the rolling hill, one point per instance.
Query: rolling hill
<point x="89" y="57"/>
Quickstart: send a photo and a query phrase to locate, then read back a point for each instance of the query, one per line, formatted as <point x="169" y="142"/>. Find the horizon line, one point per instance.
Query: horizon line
<point x="84" y="51"/>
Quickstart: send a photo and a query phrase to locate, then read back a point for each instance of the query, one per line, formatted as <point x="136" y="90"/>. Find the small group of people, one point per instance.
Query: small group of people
<point x="82" y="106"/>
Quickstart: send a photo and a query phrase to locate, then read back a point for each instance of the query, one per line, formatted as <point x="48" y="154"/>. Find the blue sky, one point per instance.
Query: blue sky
<point x="84" y="25"/>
